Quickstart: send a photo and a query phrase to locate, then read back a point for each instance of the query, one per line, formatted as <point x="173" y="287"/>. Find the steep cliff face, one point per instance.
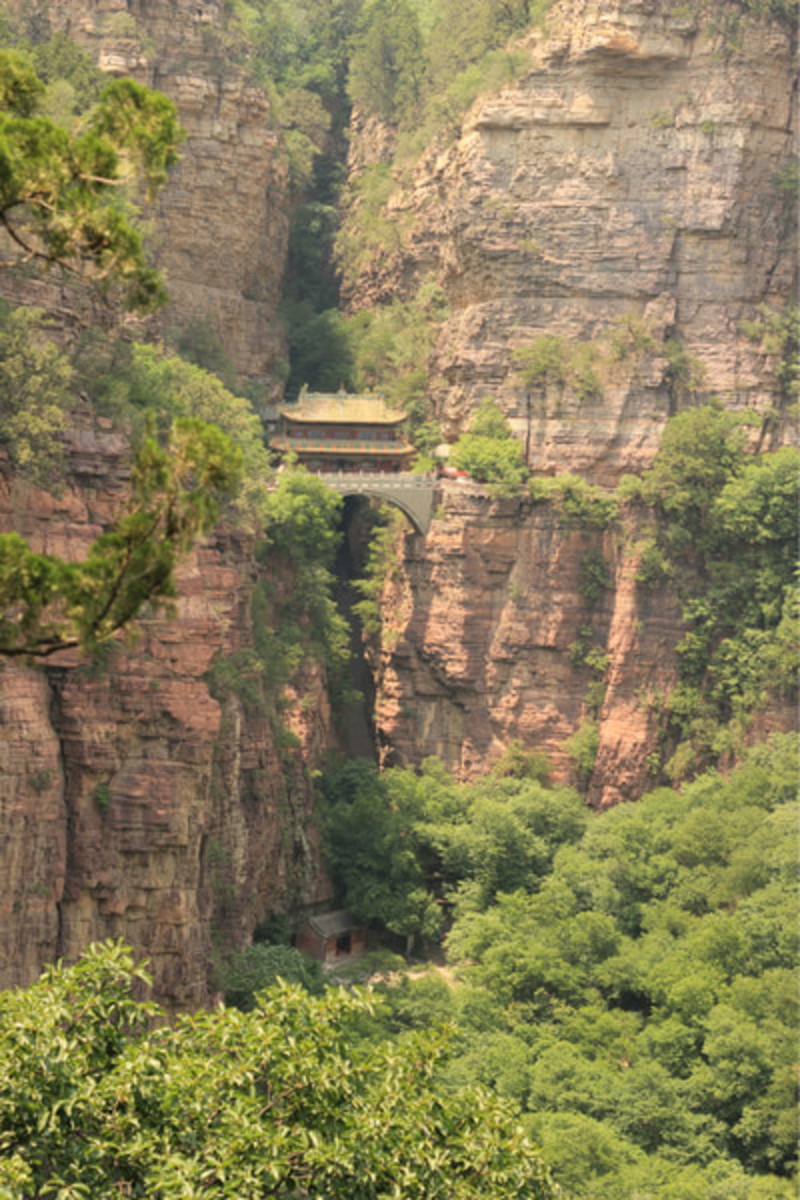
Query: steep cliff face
<point x="132" y="802"/>
<point x="484" y="614"/>
<point x="625" y="198"/>
<point x="496" y="629"/>
<point x="220" y="231"/>
<point x="634" y="169"/>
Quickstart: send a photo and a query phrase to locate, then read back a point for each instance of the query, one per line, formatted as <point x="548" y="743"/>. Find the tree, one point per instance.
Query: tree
<point x="146" y="380"/>
<point x="371" y="851"/>
<point x="63" y="204"/>
<point x="62" y="192"/>
<point x="490" y="452"/>
<point x="47" y="605"/>
<point x="386" y="64"/>
<point x="34" y="385"/>
<point x="701" y="450"/>
<point x="261" y="966"/>
<point x="96" y="1101"/>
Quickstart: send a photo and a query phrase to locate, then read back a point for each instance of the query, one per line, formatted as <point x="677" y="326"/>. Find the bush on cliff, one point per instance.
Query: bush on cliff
<point x="490" y="452"/>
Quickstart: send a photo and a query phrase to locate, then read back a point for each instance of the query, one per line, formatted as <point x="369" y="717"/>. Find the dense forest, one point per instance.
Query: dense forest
<point x="600" y="1006"/>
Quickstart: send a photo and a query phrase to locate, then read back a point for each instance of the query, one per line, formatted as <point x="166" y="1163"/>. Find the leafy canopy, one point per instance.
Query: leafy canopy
<point x="490" y="452"/>
<point x="95" y="1102"/>
<point x="34" y="388"/>
<point x="625" y="976"/>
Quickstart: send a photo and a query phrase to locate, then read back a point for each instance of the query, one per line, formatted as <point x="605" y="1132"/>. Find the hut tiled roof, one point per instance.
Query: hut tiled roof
<point x="333" y="924"/>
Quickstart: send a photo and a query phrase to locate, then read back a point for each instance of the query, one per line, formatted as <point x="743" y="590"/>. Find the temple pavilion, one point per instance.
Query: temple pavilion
<point x="342" y="432"/>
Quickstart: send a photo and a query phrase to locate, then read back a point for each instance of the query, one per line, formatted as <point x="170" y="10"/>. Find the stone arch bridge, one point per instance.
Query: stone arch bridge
<point x="412" y="494"/>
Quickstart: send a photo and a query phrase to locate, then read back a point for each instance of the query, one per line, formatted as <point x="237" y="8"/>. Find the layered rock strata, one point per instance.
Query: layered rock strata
<point x="637" y="168"/>
<point x="488" y="628"/>
<point x="133" y="803"/>
<point x="220" y="230"/>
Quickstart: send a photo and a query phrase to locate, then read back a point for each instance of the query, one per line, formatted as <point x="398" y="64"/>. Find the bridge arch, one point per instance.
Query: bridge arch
<point x="412" y="494"/>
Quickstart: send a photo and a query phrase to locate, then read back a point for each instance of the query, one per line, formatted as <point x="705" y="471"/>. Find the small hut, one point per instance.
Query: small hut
<point x="332" y="935"/>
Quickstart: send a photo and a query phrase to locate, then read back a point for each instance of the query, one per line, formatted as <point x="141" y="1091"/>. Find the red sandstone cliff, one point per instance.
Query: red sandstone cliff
<point x="132" y="802"/>
<point x="630" y="170"/>
<point x="483" y="623"/>
<point x="633" y="173"/>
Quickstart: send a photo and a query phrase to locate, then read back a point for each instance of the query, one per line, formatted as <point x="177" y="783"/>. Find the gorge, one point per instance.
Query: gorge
<point x="623" y="191"/>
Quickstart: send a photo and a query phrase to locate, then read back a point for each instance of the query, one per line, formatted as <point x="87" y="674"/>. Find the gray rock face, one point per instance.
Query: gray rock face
<point x="633" y="170"/>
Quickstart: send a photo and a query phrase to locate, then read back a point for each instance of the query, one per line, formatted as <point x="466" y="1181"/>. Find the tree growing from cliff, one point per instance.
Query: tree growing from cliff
<point x="94" y="1101"/>
<point x="34" y="386"/>
<point x="64" y="204"/>
<point x="490" y="452"/>
<point x="63" y="200"/>
<point x="47" y="605"/>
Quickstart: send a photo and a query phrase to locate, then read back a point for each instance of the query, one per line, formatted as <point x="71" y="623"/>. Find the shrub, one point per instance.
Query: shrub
<point x="582" y="749"/>
<point x="575" y="499"/>
<point x="490" y="452"/>
<point x="262" y="966"/>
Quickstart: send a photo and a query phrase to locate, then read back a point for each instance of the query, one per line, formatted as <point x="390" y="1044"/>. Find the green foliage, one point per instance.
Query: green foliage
<point x="391" y="344"/>
<point x="631" y="337"/>
<point x="727" y="22"/>
<point x="94" y="1100"/>
<point x="320" y="349"/>
<point x="778" y="336"/>
<point x="626" y="976"/>
<point x="403" y="844"/>
<point x="302" y="517"/>
<point x="381" y="560"/>
<point x="34" y="387"/>
<point x="594" y="577"/>
<point x="386" y="62"/>
<point x="654" y="567"/>
<point x="686" y="372"/>
<point x="369" y="232"/>
<point x="143" y="379"/>
<point x="102" y="797"/>
<point x="575" y="499"/>
<point x="490" y="452"/>
<point x="518" y="763"/>
<point x="556" y="362"/>
<point x="197" y="341"/>
<point x="49" y="605"/>
<point x="262" y="966"/>
<point x="301" y="524"/>
<point x="700" y="450"/>
<point x="582" y="749"/>
<point x="72" y="81"/>
<point x="60" y="191"/>
<point x="370" y="850"/>
<point x="726" y="540"/>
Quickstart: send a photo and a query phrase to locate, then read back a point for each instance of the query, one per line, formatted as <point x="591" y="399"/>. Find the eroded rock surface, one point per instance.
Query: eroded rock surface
<point x="221" y="226"/>
<point x="636" y="168"/>
<point x="133" y="803"/>
<point x="488" y="638"/>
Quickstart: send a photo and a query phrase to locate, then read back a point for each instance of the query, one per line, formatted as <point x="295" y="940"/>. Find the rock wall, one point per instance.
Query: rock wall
<point x="132" y="802"/>
<point x="483" y="625"/>
<point x="221" y="226"/>
<point x="633" y="168"/>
